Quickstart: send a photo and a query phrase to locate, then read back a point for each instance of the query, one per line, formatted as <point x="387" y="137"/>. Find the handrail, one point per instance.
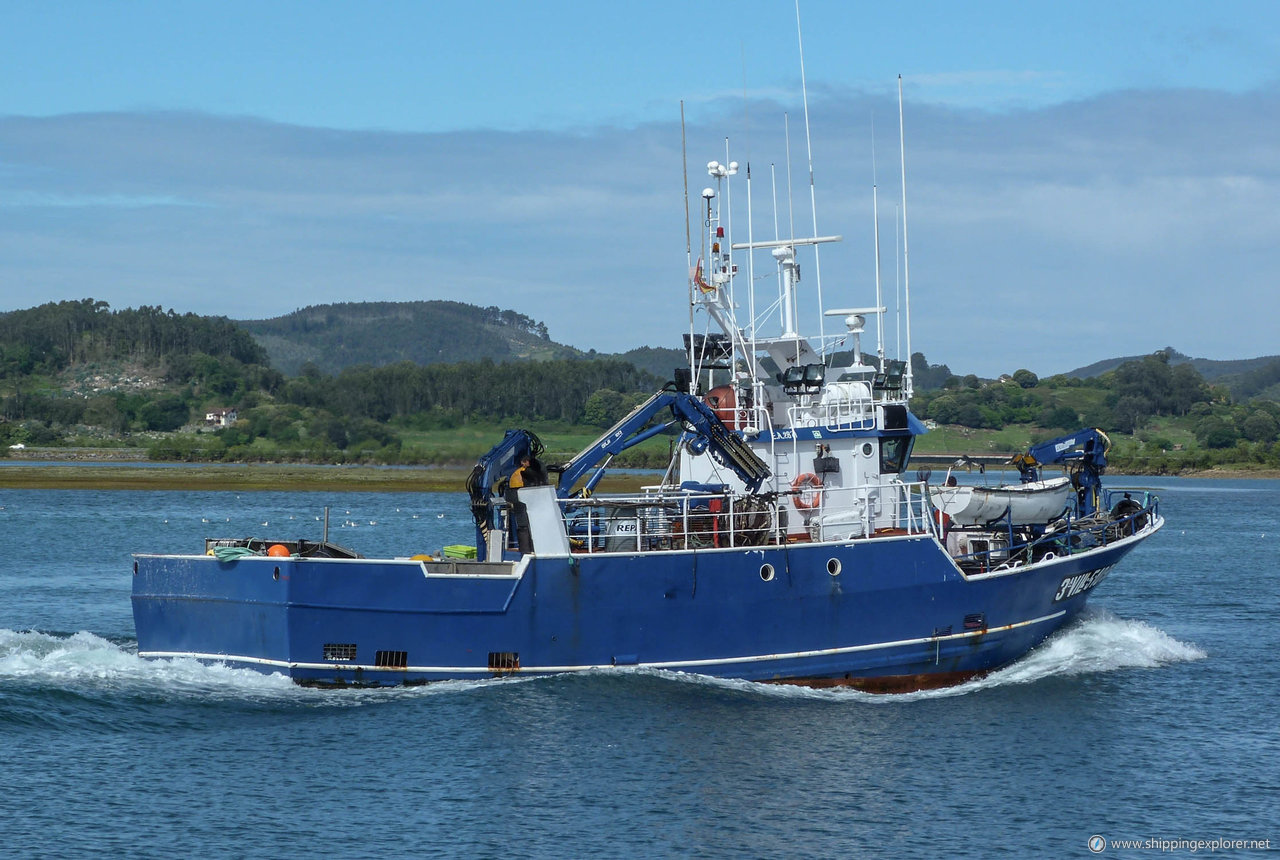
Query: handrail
<point x="669" y="518"/>
<point x="673" y="518"/>
<point x="833" y="416"/>
<point x="665" y="517"/>
<point x="885" y="505"/>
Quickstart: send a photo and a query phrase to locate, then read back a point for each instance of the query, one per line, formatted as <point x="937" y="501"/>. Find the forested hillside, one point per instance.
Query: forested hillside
<point x="659" y="361"/>
<point x="334" y="337"/>
<point x="80" y="374"/>
<point x="527" y="390"/>
<point x="51" y="337"/>
<point x="79" y="364"/>
<point x="1210" y="369"/>
<point x="1164" y="416"/>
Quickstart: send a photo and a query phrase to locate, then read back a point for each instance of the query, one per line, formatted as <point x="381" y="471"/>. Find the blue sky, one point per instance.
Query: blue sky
<point x="1110" y="167"/>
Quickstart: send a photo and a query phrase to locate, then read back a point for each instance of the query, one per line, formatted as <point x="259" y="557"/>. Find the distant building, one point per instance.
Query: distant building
<point x="220" y="417"/>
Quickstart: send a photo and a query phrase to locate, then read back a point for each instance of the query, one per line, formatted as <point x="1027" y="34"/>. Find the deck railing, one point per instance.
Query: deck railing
<point x="673" y="519"/>
<point x="871" y="509"/>
<point x="669" y="521"/>
<point x="837" y="415"/>
<point x="670" y="518"/>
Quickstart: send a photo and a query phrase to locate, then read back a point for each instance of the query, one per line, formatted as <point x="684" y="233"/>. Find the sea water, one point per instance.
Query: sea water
<point x="1152" y="718"/>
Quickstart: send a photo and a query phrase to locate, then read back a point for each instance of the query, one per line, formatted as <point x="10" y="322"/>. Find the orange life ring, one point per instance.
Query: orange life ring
<point x="808" y="489"/>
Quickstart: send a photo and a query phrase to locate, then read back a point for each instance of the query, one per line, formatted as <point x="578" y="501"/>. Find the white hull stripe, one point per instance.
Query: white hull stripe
<point x="669" y="664"/>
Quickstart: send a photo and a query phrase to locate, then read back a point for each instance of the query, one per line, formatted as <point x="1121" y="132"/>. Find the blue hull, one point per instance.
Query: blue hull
<point x="896" y="613"/>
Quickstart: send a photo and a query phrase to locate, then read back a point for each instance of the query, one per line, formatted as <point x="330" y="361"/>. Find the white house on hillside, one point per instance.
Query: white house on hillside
<point x="220" y="417"/>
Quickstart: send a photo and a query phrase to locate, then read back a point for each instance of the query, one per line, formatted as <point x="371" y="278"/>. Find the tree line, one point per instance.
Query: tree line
<point x="191" y="364"/>
<point x="53" y="336"/>
<point x="196" y="363"/>
<point x="523" y="390"/>
<point x="1123" y="400"/>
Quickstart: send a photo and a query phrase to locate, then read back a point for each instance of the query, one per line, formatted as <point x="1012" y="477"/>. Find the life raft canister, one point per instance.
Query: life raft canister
<point x="808" y="488"/>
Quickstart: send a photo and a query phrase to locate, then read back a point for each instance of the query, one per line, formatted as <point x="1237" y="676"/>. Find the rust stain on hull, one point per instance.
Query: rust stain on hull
<point x="888" y="684"/>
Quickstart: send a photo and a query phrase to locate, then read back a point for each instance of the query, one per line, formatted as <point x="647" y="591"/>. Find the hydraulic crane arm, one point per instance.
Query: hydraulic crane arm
<point x="703" y="429"/>
<point x="1083" y="453"/>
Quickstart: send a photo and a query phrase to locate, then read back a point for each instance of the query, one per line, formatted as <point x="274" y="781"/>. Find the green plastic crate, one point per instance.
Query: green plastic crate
<point x="459" y="551"/>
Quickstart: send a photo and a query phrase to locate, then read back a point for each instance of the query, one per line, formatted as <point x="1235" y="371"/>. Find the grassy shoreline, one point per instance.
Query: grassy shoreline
<point x="286" y="477"/>
<point x="258" y="476"/>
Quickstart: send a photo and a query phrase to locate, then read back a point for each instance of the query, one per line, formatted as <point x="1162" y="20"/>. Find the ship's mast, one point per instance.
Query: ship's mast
<point x="688" y="241"/>
<point x="813" y="199"/>
<point x="875" y="216"/>
<point x="908" y="388"/>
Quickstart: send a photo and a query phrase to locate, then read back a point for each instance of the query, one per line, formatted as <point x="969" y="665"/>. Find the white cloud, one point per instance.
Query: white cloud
<point x="1039" y="238"/>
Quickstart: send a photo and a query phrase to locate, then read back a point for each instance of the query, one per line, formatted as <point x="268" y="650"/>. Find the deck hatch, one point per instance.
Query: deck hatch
<point x="391" y="659"/>
<point x="340" y="652"/>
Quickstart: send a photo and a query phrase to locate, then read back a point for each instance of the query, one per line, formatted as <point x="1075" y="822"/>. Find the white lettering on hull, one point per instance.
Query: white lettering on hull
<point x="1080" y="583"/>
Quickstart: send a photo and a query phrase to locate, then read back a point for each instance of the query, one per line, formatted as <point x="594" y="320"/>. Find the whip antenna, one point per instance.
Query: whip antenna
<point x="688" y="238"/>
<point x="813" y="199"/>
<point x="906" y="268"/>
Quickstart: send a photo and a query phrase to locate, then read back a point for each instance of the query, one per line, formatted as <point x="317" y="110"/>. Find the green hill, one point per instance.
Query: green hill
<point x="57" y="335"/>
<point x="387" y="382"/>
<point x="333" y="337"/>
<point x="1220" y="372"/>
<point x="660" y="361"/>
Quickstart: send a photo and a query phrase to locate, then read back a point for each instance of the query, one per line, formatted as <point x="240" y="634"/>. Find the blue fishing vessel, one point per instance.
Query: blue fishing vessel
<point x="786" y="541"/>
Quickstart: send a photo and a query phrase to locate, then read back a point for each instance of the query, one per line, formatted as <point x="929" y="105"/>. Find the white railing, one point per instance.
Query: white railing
<point x="865" y="511"/>
<point x="838" y="415"/>
<point x="671" y="519"/>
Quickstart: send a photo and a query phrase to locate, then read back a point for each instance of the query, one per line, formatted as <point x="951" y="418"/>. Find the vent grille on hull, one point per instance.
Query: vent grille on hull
<point x="340" y="652"/>
<point x="502" y="662"/>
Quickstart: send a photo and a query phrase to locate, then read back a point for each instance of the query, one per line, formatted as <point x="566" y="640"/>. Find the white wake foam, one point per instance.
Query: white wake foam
<point x="1098" y="642"/>
<point x="85" y="662"/>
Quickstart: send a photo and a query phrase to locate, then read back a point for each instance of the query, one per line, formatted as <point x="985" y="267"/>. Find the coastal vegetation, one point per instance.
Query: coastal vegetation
<point x="81" y="375"/>
<point x="1163" y="417"/>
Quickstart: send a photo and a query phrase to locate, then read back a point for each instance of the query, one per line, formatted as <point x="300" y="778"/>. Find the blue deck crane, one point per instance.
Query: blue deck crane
<point x="703" y="431"/>
<point x="1083" y="453"/>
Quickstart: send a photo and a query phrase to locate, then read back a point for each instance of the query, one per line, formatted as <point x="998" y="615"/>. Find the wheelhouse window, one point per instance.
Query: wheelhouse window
<point x="894" y="453"/>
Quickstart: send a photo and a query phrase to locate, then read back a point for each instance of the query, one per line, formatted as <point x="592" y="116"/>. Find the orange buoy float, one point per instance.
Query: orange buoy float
<point x="278" y="550"/>
<point x="723" y="401"/>
<point x="808" y="488"/>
